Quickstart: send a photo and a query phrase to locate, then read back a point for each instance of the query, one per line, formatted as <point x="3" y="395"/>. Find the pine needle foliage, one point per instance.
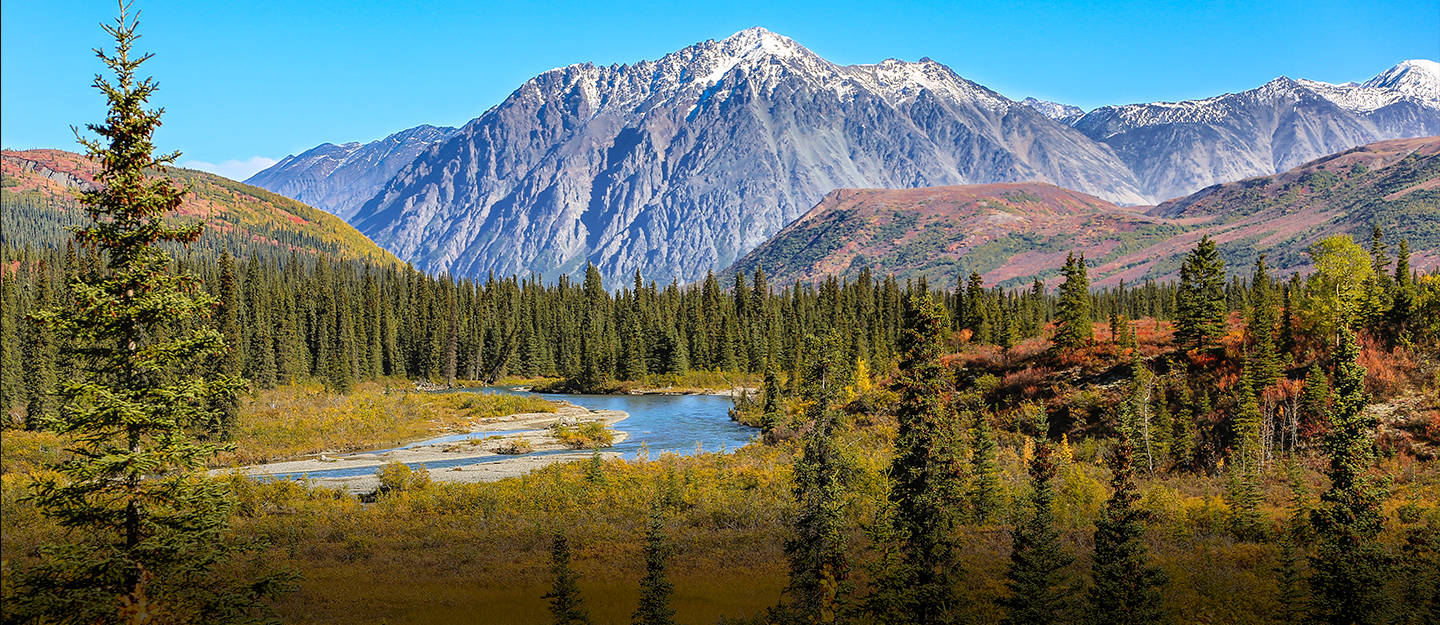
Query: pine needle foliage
<point x="1073" y="328"/>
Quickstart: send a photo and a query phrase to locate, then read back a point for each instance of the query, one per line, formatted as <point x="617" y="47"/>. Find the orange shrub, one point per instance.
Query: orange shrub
<point x="1026" y="381"/>
<point x="1385" y="372"/>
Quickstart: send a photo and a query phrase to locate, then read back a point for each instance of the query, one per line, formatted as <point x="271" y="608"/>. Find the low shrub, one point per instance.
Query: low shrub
<point x="587" y="435"/>
<point x="396" y="477"/>
<point x="514" y="447"/>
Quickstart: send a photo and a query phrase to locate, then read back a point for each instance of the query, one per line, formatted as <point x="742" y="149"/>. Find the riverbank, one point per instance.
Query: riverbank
<point x="473" y="455"/>
<point x="713" y="383"/>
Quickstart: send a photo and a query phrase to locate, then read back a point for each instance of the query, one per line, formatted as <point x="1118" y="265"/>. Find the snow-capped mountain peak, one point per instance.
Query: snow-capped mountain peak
<point x="1419" y="78"/>
<point x="1063" y="113"/>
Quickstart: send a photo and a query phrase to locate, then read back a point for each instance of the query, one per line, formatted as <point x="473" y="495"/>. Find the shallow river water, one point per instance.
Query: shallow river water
<point x="658" y="424"/>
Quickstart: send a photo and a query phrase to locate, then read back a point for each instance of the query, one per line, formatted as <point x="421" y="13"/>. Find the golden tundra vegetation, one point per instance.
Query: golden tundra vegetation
<point x="430" y="552"/>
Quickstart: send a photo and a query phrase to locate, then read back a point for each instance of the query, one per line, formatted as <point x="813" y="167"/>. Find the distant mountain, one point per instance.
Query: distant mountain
<point x="1011" y="232"/>
<point x="1063" y="113"/>
<point x="1175" y="148"/>
<point x="680" y="165"/>
<point x="39" y="188"/>
<point x="676" y="166"/>
<point x="339" y="178"/>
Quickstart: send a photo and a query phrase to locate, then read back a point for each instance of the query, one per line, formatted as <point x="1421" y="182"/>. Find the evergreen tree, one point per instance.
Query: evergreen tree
<point x="40" y="357"/>
<point x="566" y="605"/>
<point x="1379" y="289"/>
<point x="1244" y="493"/>
<point x="12" y="377"/>
<point x="816" y="547"/>
<point x="1072" y="311"/>
<point x="773" y="407"/>
<point x="1402" y="306"/>
<point x="1036" y="578"/>
<point x="1315" y="396"/>
<point x="1262" y="363"/>
<point x="230" y="362"/>
<point x="1287" y="324"/>
<point x="1200" y="303"/>
<point x="1419" y="569"/>
<point x="1349" y="567"/>
<point x="915" y="584"/>
<point x="1126" y="588"/>
<point x="146" y="526"/>
<point x="974" y="315"/>
<point x="985" y="493"/>
<point x="655" y="587"/>
<point x="1182" y="446"/>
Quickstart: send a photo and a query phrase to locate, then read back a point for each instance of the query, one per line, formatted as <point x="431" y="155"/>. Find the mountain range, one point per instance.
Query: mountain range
<point x="339" y="178"/>
<point x="680" y="165"/>
<point x="1012" y="232"/>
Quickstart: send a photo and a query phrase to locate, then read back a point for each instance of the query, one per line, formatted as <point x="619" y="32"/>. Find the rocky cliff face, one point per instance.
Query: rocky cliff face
<point x="339" y="178"/>
<point x="680" y="165"/>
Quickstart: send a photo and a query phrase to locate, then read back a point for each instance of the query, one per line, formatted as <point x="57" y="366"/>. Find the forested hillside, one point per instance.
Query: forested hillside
<point x="38" y="195"/>
<point x="1012" y="232"/>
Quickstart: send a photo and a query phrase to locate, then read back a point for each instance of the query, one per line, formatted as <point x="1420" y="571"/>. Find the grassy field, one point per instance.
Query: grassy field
<point x="304" y="419"/>
<point x="436" y="552"/>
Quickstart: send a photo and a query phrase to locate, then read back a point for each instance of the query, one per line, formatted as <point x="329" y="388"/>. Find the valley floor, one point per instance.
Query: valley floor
<point x="468" y="456"/>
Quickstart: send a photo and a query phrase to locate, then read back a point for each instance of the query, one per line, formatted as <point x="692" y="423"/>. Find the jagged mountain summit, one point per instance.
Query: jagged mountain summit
<point x="339" y="178"/>
<point x="1063" y="113"/>
<point x="682" y="164"/>
<point x="1176" y="148"/>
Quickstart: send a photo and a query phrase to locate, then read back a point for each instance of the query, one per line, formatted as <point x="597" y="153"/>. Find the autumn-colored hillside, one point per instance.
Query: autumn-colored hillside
<point x="40" y="186"/>
<point x="1011" y="232"/>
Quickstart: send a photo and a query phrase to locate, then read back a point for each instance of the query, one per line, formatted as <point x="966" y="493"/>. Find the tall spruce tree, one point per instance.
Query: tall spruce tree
<point x="1200" y="302"/>
<point x="816" y="547"/>
<point x="655" y="587"/>
<point x="1349" y="567"/>
<point x="1072" y="312"/>
<point x="1402" y="305"/>
<point x="1036" y="579"/>
<point x="40" y="359"/>
<point x="1315" y="396"/>
<point x="1126" y="588"/>
<point x="147" y="528"/>
<point x="916" y="583"/>
<point x="985" y="493"/>
<point x="566" y="605"/>
<point x="1262" y="362"/>
<point x="1243" y="490"/>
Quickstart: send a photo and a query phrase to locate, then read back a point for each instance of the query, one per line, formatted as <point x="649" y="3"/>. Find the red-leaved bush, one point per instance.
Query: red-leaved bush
<point x="1386" y="373"/>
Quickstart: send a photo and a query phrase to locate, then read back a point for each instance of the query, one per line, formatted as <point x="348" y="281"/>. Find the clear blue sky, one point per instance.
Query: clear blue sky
<point x="243" y="81"/>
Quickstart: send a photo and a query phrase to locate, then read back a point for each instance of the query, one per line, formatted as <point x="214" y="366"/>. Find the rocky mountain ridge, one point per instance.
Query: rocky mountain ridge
<point x="683" y="164"/>
<point x="339" y="178"/>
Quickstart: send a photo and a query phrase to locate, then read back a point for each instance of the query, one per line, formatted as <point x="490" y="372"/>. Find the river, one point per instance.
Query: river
<point x="657" y="425"/>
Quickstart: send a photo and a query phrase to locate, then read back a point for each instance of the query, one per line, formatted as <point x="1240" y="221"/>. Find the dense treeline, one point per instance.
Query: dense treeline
<point x="294" y="317"/>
